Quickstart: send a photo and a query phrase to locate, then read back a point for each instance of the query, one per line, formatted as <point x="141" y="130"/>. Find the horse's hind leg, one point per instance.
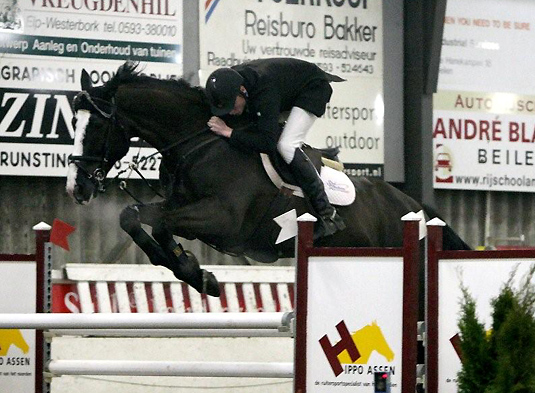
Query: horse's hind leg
<point x="182" y="267"/>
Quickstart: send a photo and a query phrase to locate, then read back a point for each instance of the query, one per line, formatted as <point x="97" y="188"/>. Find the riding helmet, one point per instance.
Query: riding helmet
<point x="222" y="88"/>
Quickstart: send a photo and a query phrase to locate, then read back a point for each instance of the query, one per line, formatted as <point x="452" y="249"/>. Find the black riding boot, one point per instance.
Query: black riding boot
<point x="329" y="222"/>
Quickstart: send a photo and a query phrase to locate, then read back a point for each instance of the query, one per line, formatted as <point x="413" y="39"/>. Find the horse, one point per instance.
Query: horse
<point x="214" y="192"/>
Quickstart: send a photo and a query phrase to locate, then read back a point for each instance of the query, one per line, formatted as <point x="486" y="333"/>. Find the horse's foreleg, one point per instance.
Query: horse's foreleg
<point x="131" y="224"/>
<point x="184" y="267"/>
<point x="165" y="252"/>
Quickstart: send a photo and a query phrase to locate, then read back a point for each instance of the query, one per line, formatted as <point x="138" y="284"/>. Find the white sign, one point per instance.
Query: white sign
<point x="451" y="273"/>
<point x="484" y="125"/>
<point x="342" y="37"/>
<point x="17" y="347"/>
<point x="369" y="309"/>
<point x="484" y="141"/>
<point x="45" y="46"/>
<point x="52" y="161"/>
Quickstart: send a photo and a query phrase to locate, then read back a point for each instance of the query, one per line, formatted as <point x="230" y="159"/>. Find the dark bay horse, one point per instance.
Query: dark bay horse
<point x="214" y="192"/>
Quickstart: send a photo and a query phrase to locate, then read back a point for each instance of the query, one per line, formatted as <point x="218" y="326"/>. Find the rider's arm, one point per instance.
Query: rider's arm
<point x="263" y="134"/>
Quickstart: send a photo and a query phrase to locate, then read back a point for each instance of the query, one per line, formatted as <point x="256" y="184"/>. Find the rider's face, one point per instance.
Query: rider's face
<point x="239" y="104"/>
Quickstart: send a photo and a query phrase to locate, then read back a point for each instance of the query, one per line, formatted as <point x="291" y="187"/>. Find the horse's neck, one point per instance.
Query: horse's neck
<point x="164" y="126"/>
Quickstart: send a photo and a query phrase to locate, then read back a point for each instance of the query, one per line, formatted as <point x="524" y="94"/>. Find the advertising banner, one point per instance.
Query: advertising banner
<point x="483" y="123"/>
<point x="468" y="272"/>
<point x="47" y="44"/>
<point x="367" y="315"/>
<point x="342" y="37"/>
<point x="17" y="347"/>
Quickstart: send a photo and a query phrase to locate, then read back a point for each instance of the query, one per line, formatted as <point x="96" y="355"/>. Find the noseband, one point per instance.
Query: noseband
<point x="99" y="174"/>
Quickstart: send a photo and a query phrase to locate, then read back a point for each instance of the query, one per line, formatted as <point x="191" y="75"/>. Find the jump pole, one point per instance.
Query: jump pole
<point x="43" y="321"/>
<point x="171" y="368"/>
<point x="172" y="333"/>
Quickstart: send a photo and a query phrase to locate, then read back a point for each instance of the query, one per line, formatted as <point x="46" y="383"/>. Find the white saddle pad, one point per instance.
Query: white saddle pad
<point x="338" y="187"/>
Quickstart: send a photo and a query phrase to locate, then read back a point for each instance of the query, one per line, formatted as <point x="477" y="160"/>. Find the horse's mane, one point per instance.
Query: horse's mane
<point x="130" y="72"/>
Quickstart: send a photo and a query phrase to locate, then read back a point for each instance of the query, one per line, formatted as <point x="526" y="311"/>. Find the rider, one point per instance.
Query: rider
<point x="264" y="89"/>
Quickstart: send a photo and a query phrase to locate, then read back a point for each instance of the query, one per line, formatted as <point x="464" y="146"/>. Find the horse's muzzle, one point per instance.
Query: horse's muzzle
<point x="78" y="195"/>
<point x="83" y="195"/>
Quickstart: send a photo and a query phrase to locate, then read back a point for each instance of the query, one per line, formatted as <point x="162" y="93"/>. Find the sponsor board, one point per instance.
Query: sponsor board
<point x="36" y="136"/>
<point x="47" y="44"/>
<point x="354" y="333"/>
<point x="27" y="45"/>
<point x="17" y="347"/>
<point x="24" y="159"/>
<point x="484" y="110"/>
<point x="484" y="141"/>
<point x="342" y="37"/>
<point x="158" y="21"/>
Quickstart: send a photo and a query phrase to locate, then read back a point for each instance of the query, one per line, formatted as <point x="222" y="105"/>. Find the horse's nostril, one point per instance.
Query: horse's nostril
<point x="78" y="194"/>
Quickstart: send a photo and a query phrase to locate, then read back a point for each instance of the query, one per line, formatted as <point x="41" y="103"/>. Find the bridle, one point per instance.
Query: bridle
<point x="99" y="174"/>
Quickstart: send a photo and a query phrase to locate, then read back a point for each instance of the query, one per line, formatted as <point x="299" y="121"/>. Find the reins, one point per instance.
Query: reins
<point x="135" y="166"/>
<point x="98" y="176"/>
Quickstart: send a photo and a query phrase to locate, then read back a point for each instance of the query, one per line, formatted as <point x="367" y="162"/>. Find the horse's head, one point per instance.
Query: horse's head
<point x="99" y="140"/>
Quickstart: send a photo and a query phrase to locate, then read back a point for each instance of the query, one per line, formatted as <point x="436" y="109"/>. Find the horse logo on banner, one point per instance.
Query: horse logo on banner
<point x="355" y="348"/>
<point x="9" y="337"/>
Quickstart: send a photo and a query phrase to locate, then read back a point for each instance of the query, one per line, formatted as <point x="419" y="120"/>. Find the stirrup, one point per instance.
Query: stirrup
<point x="328" y="225"/>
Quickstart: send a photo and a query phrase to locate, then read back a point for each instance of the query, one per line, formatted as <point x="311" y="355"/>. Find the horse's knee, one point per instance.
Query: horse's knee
<point x="129" y="219"/>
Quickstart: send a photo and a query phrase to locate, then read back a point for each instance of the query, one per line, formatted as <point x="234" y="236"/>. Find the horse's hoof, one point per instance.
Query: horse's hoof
<point x="210" y="285"/>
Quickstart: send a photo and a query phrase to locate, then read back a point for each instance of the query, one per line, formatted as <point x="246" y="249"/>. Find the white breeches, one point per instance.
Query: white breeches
<point x="295" y="131"/>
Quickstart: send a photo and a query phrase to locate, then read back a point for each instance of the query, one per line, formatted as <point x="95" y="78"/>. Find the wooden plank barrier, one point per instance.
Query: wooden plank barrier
<point x="101" y="288"/>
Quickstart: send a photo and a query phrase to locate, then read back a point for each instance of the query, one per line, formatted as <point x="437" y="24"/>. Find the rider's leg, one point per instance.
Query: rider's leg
<point x="289" y="146"/>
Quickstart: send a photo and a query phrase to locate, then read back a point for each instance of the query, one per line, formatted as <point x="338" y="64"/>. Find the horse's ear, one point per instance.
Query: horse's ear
<point x="85" y="81"/>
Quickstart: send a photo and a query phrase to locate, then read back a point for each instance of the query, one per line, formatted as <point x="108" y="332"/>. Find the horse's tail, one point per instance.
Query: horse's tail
<point x="450" y="239"/>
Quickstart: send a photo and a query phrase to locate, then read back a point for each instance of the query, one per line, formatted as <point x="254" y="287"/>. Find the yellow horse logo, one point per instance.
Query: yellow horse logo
<point x="9" y="337"/>
<point x="368" y="339"/>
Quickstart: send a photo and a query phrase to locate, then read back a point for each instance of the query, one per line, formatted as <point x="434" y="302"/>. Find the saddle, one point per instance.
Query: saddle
<point x="338" y="187"/>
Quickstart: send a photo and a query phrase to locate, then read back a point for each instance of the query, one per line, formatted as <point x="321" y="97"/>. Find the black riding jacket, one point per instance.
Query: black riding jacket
<point x="274" y="86"/>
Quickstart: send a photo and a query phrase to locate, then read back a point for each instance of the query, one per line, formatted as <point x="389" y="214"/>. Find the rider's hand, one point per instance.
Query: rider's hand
<point x="219" y="127"/>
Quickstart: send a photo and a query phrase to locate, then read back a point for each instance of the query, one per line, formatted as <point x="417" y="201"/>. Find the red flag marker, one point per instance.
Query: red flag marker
<point x="60" y="231"/>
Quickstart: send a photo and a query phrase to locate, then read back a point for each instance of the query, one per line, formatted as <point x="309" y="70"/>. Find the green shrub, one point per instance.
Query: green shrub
<point x="503" y="359"/>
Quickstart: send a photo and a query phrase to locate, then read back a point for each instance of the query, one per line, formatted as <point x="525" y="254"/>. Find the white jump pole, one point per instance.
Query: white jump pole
<point x="263" y="320"/>
<point x="171" y="333"/>
<point x="171" y="368"/>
